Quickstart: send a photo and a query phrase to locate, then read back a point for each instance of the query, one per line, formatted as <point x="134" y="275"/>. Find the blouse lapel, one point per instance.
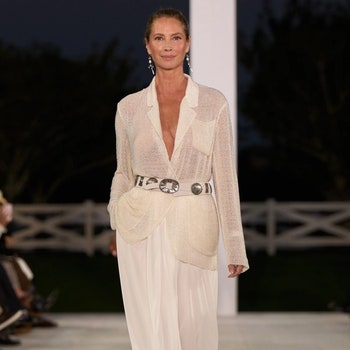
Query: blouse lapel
<point x="187" y="111"/>
<point x="153" y="109"/>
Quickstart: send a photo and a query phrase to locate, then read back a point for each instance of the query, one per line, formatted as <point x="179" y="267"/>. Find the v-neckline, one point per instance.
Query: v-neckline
<point x="166" y="126"/>
<point x="187" y="109"/>
<point x="170" y="156"/>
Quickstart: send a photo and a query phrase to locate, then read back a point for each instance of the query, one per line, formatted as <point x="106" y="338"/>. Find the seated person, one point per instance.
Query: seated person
<point x="20" y="274"/>
<point x="12" y="311"/>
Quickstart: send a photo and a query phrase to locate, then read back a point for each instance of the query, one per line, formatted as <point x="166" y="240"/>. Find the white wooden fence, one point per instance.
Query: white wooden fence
<point x="296" y="225"/>
<point x="267" y="225"/>
<point x="71" y="227"/>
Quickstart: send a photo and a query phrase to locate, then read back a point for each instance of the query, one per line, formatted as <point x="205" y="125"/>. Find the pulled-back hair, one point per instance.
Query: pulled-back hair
<point x="166" y="12"/>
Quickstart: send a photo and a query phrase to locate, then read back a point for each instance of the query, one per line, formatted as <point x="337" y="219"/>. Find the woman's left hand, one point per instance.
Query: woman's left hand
<point x="112" y="247"/>
<point x="234" y="270"/>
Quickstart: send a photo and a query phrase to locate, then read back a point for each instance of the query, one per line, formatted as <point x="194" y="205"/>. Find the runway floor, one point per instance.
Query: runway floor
<point x="246" y="331"/>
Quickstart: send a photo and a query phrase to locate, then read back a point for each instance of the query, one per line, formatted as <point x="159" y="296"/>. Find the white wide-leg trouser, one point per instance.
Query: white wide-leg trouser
<point x="169" y="305"/>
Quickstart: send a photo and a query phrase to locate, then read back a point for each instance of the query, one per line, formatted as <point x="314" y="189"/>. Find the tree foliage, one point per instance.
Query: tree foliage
<point x="299" y="95"/>
<point x="57" y="139"/>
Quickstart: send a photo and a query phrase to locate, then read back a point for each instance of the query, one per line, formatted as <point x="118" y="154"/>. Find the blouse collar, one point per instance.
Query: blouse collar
<point x="191" y="94"/>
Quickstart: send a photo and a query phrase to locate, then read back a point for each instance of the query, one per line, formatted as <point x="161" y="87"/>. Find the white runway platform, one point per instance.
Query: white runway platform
<point x="247" y="331"/>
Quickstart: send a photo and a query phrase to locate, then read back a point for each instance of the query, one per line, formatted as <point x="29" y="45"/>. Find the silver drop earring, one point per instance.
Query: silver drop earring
<point x="188" y="62"/>
<point x="150" y="64"/>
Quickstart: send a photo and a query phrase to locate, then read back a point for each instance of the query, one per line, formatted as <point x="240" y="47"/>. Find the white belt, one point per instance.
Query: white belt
<point x="172" y="186"/>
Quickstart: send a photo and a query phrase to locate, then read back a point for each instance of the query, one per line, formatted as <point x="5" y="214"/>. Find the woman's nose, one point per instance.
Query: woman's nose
<point x="167" y="45"/>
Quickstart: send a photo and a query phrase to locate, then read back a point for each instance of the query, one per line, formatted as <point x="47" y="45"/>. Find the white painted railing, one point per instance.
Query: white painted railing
<point x="71" y="227"/>
<point x="268" y="226"/>
<point x="296" y="225"/>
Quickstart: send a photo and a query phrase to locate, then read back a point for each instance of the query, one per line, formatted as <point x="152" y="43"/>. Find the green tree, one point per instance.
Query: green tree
<point x="57" y="139"/>
<point x="299" y="94"/>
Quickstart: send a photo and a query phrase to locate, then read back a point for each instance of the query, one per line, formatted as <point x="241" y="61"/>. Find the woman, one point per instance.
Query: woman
<point x="172" y="138"/>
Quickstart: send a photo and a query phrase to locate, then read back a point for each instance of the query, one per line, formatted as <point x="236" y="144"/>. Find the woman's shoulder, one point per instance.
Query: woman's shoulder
<point x="201" y="94"/>
<point x="132" y="98"/>
<point x="205" y="91"/>
<point x="211" y="92"/>
<point x="210" y="95"/>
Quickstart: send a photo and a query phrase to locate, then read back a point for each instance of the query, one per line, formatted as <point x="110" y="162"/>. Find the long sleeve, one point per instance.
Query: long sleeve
<point x="123" y="179"/>
<point x="227" y="191"/>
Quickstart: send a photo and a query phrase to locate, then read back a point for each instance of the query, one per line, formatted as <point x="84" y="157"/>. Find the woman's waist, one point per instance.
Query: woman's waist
<point x="173" y="186"/>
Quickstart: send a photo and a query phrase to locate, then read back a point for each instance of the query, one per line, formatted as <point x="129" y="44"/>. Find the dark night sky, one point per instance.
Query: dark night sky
<point x="76" y="25"/>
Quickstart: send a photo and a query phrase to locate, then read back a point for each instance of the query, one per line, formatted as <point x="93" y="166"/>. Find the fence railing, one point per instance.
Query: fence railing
<point x="267" y="225"/>
<point x="296" y="225"/>
<point x="72" y="227"/>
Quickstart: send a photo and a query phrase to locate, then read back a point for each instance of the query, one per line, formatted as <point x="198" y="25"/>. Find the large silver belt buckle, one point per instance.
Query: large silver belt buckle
<point x="169" y="186"/>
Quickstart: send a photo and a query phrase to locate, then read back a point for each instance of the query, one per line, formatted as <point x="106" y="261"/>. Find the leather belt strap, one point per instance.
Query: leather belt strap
<point x="172" y="186"/>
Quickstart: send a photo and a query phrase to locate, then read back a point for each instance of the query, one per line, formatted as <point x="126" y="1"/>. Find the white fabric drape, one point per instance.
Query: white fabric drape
<point x="168" y="304"/>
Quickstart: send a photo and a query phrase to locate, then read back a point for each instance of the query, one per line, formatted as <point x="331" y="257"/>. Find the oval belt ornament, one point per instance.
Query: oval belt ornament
<point x="196" y="188"/>
<point x="169" y="186"/>
<point x="151" y="180"/>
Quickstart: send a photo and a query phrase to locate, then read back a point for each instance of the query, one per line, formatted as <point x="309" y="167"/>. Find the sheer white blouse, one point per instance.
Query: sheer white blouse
<point x="203" y="152"/>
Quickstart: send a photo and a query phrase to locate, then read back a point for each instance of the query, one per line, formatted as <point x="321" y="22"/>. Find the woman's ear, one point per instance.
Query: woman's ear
<point x="146" y="46"/>
<point x="188" y="44"/>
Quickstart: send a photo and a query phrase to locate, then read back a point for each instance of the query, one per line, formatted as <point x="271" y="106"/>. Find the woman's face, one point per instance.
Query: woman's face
<point x="167" y="43"/>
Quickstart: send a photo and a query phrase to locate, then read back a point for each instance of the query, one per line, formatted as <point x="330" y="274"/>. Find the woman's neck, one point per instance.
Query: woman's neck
<point x="168" y="82"/>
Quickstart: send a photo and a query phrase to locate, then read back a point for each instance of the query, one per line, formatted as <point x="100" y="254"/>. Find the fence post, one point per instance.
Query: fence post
<point x="89" y="228"/>
<point x="271" y="226"/>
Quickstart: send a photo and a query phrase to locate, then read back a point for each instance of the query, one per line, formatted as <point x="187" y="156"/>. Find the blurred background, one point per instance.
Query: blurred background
<point x="64" y="66"/>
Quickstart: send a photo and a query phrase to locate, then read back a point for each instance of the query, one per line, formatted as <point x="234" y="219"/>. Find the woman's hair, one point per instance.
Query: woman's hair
<point x="166" y="12"/>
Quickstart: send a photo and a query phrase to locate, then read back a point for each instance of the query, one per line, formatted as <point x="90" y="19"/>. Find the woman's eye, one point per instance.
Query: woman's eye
<point x="177" y="38"/>
<point x="158" y="38"/>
